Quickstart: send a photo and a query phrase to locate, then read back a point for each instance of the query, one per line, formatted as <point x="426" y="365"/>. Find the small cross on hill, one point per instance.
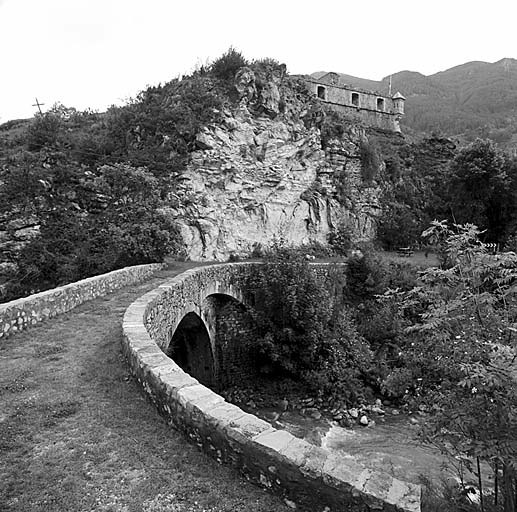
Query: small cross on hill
<point x="39" y="105"/>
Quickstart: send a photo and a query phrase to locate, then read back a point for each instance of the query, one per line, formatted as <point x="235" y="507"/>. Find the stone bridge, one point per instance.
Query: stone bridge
<point x="193" y="334"/>
<point x="203" y="323"/>
<point x="201" y="319"/>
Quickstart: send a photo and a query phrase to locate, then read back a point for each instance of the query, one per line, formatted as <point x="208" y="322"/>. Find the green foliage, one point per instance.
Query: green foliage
<point x="399" y="227"/>
<point x="511" y="243"/>
<point x="340" y="239"/>
<point x="90" y="224"/>
<point x="226" y="66"/>
<point x="483" y="189"/>
<point x="56" y="128"/>
<point x="460" y="350"/>
<point x="332" y="124"/>
<point x="414" y="191"/>
<point x="158" y="129"/>
<point x="365" y="277"/>
<point x="370" y="160"/>
<point x="377" y="321"/>
<point x="43" y="131"/>
<point x="268" y="63"/>
<point x="304" y="330"/>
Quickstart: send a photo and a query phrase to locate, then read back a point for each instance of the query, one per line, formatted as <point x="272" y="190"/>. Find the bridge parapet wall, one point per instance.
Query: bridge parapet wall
<point x="305" y="475"/>
<point x="22" y="313"/>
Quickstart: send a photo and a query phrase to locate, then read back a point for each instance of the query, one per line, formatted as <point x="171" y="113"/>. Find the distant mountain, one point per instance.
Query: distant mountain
<point x="470" y="100"/>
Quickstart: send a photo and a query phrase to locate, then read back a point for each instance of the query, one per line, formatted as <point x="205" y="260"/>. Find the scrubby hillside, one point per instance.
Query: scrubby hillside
<point x="222" y="164"/>
<point x="216" y="164"/>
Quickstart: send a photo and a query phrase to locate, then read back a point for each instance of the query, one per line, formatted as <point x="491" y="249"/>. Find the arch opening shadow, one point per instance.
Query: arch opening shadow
<point x="190" y="348"/>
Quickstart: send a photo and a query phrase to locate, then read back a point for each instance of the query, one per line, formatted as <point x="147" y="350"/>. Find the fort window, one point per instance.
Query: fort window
<point x="355" y="99"/>
<point x="322" y="93"/>
<point x="380" y="104"/>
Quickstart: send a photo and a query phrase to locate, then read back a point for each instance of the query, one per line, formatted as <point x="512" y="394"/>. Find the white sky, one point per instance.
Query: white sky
<point x="94" y="53"/>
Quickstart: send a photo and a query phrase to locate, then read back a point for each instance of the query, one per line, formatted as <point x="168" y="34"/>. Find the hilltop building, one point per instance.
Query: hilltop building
<point x="372" y="108"/>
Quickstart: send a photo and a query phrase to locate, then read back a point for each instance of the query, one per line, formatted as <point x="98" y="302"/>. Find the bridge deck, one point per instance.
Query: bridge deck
<point x="76" y="432"/>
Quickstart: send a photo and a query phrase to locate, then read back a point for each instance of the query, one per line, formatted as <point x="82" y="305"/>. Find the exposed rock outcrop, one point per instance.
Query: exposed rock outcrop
<point x="262" y="174"/>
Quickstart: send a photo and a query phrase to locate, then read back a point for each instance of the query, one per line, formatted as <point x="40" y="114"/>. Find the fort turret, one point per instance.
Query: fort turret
<point x="398" y="103"/>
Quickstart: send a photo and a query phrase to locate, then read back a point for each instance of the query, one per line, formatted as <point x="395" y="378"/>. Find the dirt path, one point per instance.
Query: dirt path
<point x="77" y="433"/>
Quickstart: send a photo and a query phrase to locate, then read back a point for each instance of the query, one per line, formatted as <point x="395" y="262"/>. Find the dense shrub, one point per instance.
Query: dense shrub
<point x="365" y="276"/>
<point x="94" y="224"/>
<point x="370" y="160"/>
<point x="226" y="66"/>
<point x="399" y="226"/>
<point x="43" y="131"/>
<point x="340" y="239"/>
<point x="305" y="332"/>
<point x="158" y="129"/>
<point x="459" y="353"/>
<point x="333" y="126"/>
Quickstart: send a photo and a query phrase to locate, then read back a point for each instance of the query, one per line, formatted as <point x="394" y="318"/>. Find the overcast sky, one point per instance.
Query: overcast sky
<point x="94" y="53"/>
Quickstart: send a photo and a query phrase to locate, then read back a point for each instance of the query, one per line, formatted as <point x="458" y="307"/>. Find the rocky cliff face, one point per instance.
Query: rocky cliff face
<point x="262" y="174"/>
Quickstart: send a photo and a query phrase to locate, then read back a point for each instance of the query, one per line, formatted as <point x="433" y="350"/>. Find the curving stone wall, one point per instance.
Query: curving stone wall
<point x="305" y="475"/>
<point x="22" y="313"/>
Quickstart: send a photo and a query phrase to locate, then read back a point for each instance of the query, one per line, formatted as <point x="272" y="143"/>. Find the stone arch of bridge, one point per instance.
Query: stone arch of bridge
<point x="191" y="348"/>
<point x="201" y="343"/>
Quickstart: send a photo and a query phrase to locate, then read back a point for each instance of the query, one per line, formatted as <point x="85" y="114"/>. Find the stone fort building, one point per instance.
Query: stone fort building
<point x="369" y="107"/>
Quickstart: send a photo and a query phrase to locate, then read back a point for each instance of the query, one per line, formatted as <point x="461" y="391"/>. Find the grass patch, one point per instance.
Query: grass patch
<point x="418" y="259"/>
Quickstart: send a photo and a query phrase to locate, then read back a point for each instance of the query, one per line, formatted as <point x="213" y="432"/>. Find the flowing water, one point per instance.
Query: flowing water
<point x="391" y="445"/>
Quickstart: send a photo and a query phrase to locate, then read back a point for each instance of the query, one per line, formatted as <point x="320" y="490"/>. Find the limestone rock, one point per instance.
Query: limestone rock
<point x="354" y="413"/>
<point x="255" y="178"/>
<point x="245" y="84"/>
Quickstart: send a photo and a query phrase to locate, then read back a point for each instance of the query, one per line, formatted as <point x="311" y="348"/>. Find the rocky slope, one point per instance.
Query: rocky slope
<point x="262" y="175"/>
<point x="262" y="170"/>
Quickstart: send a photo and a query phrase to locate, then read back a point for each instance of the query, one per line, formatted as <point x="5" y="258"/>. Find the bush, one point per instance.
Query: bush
<point x="82" y="235"/>
<point x="305" y="332"/>
<point x="333" y="126"/>
<point x="340" y="239"/>
<point x="226" y="66"/>
<point x="43" y="131"/>
<point x="365" y="277"/>
<point x="370" y="160"/>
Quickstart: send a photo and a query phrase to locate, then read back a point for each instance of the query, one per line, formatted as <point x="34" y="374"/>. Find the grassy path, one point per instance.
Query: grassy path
<point x="77" y="434"/>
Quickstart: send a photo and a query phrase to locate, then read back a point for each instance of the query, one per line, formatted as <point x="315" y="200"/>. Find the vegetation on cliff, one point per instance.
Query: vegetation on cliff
<point x="96" y="190"/>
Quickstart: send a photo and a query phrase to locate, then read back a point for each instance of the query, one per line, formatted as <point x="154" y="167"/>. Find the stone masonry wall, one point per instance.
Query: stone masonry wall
<point x="22" y="313"/>
<point x="366" y="111"/>
<point x="236" y="354"/>
<point x="305" y="475"/>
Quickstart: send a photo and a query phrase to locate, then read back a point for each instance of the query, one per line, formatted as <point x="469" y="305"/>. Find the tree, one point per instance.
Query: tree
<point x="90" y="224"/>
<point x="460" y="352"/>
<point x="481" y="191"/>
